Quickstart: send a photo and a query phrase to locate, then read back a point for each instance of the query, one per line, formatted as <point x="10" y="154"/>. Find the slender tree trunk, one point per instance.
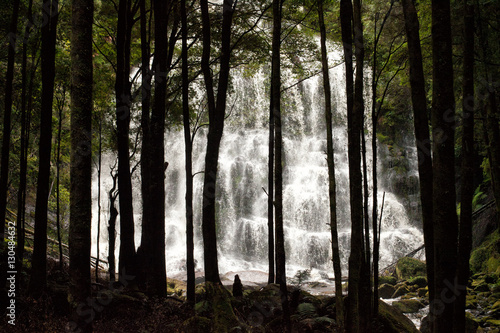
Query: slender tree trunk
<point x="81" y="162"/>
<point x="444" y="196"/>
<point x="422" y="136"/>
<point x="99" y="171"/>
<point x="191" y="297"/>
<point x="113" y="214"/>
<point x="145" y="150"/>
<point x="58" y="167"/>
<point x="374" y="171"/>
<point x="330" y="159"/>
<point x="216" y="112"/>
<point x="21" y="194"/>
<point x="490" y="111"/>
<point x="123" y="108"/>
<point x="276" y="110"/>
<point x="9" y="79"/>
<point x="467" y="181"/>
<point x="270" y="200"/>
<point x="38" y="279"/>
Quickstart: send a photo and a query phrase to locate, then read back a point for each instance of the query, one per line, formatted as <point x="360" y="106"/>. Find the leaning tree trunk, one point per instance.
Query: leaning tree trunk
<point x="467" y="181"/>
<point x="81" y="163"/>
<point x="443" y="138"/>
<point x="38" y="279"/>
<point x="123" y="109"/>
<point x="330" y="158"/>
<point x="422" y="136"/>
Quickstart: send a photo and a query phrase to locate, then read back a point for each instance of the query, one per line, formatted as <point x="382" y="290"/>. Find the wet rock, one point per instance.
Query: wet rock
<point x="407" y="268"/>
<point x="393" y="321"/>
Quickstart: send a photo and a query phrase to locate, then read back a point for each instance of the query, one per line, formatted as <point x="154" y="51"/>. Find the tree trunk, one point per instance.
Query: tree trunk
<point x="58" y="169"/>
<point x="123" y="108"/>
<point x="191" y="297"/>
<point x="491" y="112"/>
<point x="21" y="194"/>
<point x="155" y="251"/>
<point x="9" y="79"/>
<point x="422" y="136"/>
<point x="216" y="113"/>
<point x="38" y="279"/>
<point x="330" y="158"/>
<point x="467" y="181"/>
<point x="113" y="214"/>
<point x="81" y="162"/>
<point x="276" y="110"/>
<point x="444" y="196"/>
<point x="145" y="127"/>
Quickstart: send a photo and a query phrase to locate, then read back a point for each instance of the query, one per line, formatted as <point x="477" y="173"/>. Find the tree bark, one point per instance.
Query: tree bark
<point x="191" y="297"/>
<point x="113" y="214"/>
<point x="216" y="114"/>
<point x="123" y="108"/>
<point x="467" y="181"/>
<point x="38" y="279"/>
<point x="444" y="196"/>
<point x="145" y="127"/>
<point x="422" y="136"/>
<point x="9" y="80"/>
<point x="330" y="159"/>
<point x="81" y="162"/>
<point x="21" y="194"/>
<point x="155" y="251"/>
<point x="276" y="110"/>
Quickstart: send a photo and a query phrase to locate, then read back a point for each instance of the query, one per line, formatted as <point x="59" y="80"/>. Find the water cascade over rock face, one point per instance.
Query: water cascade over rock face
<point x="242" y="202"/>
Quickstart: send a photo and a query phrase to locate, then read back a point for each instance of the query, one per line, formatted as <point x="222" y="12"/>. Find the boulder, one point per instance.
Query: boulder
<point x="407" y="268"/>
<point x="394" y="321"/>
<point x="386" y="291"/>
<point x="401" y="291"/>
<point x="408" y="305"/>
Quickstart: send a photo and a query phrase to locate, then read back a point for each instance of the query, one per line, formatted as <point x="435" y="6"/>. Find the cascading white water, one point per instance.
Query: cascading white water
<point x="241" y="201"/>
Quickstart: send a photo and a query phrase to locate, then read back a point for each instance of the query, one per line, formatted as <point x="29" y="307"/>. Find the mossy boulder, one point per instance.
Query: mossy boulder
<point x="387" y="279"/>
<point x="386" y="291"/>
<point x="394" y="321"/>
<point x="224" y="319"/>
<point x="306" y="310"/>
<point x="421" y="292"/>
<point x="408" y="305"/>
<point x="400" y="291"/>
<point x="486" y="257"/>
<point x="407" y="268"/>
<point x="419" y="281"/>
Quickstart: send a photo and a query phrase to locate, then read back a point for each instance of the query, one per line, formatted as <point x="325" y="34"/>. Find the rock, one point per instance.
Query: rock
<point x="394" y="321"/>
<point x="306" y="310"/>
<point x="408" y="305"/>
<point x="407" y="268"/>
<point x="386" y="291"/>
<point x="420" y="281"/>
<point x="481" y="286"/>
<point x="237" y="287"/>
<point x="388" y="279"/>
<point x="421" y="292"/>
<point x="401" y="291"/>
<point x="471" y="326"/>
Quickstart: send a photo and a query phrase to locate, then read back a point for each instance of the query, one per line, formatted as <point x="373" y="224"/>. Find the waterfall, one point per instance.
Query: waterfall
<point x="241" y="201"/>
